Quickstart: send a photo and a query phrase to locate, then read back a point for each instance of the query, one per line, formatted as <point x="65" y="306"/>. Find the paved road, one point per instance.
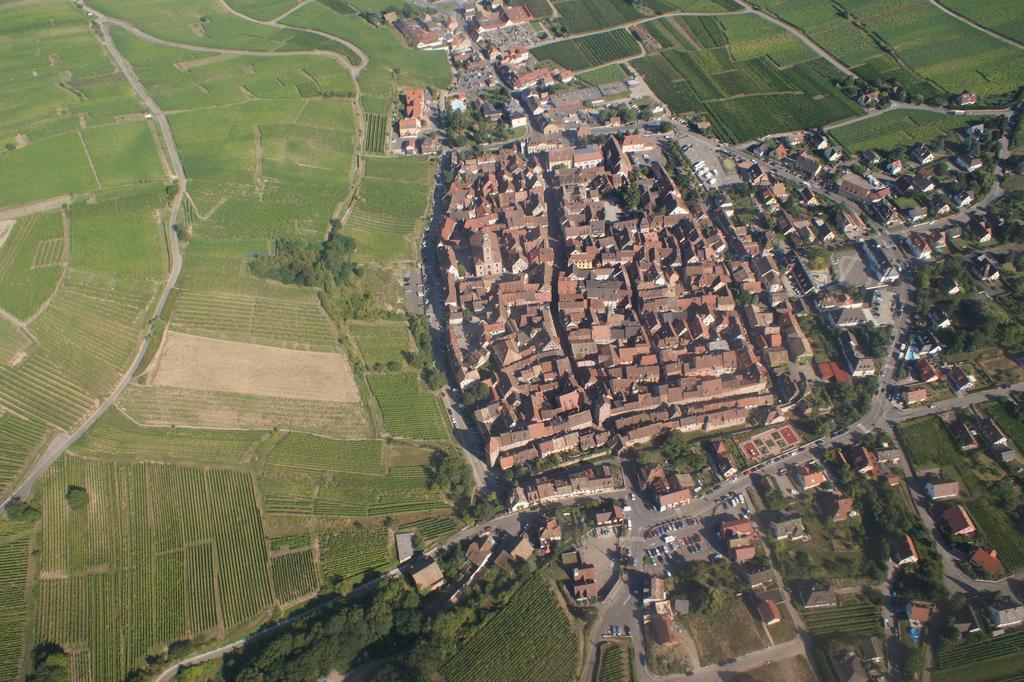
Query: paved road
<point x="62" y="441"/>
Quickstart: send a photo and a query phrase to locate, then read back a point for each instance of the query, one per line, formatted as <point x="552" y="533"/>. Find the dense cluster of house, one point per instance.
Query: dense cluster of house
<point x="592" y="326"/>
<point x="891" y="192"/>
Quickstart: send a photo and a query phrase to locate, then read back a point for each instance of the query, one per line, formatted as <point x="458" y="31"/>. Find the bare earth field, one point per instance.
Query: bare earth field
<point x="199" y="362"/>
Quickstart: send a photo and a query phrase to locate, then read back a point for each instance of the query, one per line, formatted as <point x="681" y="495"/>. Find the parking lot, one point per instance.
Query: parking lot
<point x="707" y="161"/>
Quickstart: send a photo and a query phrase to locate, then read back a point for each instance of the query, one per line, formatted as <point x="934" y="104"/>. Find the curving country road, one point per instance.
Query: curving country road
<point x="356" y="68"/>
<point x="62" y="441"/>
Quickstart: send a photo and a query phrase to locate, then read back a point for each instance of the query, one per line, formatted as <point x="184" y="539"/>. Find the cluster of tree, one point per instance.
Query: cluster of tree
<point x="873" y="340"/>
<point x="295" y="261"/>
<point x="708" y="586"/>
<point x="477" y="395"/>
<point x="679" y="169"/>
<point x="625" y="113"/>
<point x="1010" y="210"/>
<point x="471" y="126"/>
<point x="77" y="497"/>
<point x="393" y="623"/>
<point x="20" y="511"/>
<point x="980" y="325"/>
<point x="849" y="401"/>
<point x="886" y="517"/>
<point x="334" y="638"/>
<point x="676" y="450"/>
<point x="451" y="474"/>
<point x="49" y="664"/>
<point x="423" y="357"/>
<point x="630" y="193"/>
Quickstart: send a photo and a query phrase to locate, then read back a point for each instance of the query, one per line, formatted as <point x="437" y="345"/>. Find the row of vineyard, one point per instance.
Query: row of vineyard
<point x="158" y="554"/>
<point x="531" y="637"/>
<point x="353" y="554"/>
<point x="13" y="573"/>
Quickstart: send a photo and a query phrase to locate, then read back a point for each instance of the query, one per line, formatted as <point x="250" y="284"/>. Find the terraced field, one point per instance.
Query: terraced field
<point x="390" y="208"/>
<point x="323" y="457"/>
<point x="591" y="50"/>
<point x="861" y="619"/>
<point x="294" y="575"/>
<point x="896" y="129"/>
<point x="581" y="16"/>
<point x="750" y="77"/>
<point x="941" y="48"/>
<point x="297" y="322"/>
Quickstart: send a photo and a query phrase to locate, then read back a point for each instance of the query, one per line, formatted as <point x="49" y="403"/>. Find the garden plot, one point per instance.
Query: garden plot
<point x="198" y="362"/>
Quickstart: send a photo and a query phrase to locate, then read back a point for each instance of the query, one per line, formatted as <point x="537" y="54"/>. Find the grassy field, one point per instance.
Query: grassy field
<point x="602" y="75"/>
<point x="591" y="50"/>
<point x="895" y="129"/>
<point x="533" y="621"/>
<point x="115" y="436"/>
<point x="382" y="343"/>
<point x="730" y="632"/>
